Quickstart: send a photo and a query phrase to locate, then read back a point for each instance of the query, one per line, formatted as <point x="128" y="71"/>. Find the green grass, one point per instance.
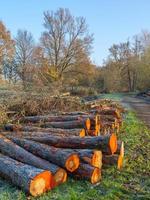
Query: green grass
<point x="132" y="182"/>
<point x="116" y="96"/>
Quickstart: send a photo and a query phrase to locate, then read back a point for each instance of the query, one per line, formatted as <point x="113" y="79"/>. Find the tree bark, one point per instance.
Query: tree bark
<point x="49" y="118"/>
<point x="114" y="159"/>
<point x="16" y="152"/>
<point x="25" y="176"/>
<point x="88" y="172"/>
<point x="29" y="130"/>
<point x="112" y="111"/>
<point x="91" y="157"/>
<point x="120" y="148"/>
<point x="69" y="124"/>
<point x="61" y="157"/>
<point x="107" y="144"/>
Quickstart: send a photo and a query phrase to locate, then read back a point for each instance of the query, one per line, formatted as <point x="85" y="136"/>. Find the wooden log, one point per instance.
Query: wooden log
<point x="55" y="118"/>
<point x="108" y="118"/>
<point x="49" y="118"/>
<point x="16" y="152"/>
<point x="75" y="113"/>
<point x="107" y="144"/>
<point x="44" y="134"/>
<point x="68" y="125"/>
<point x="91" y="157"/>
<point x="17" y="128"/>
<point x="65" y="158"/>
<point x="120" y="148"/>
<point x="111" y="111"/>
<point x="92" y="133"/>
<point x="88" y="172"/>
<point x="114" y="159"/>
<point x="30" y="179"/>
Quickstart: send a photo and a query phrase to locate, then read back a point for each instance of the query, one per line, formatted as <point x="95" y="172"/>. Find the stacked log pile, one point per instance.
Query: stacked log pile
<point x="43" y="150"/>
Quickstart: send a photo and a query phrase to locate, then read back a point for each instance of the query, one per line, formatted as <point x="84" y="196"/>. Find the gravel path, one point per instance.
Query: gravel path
<point x="140" y="106"/>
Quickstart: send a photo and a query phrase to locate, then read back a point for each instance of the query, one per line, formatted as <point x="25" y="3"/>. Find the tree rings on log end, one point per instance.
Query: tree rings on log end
<point x="113" y="143"/>
<point x="88" y="124"/>
<point x="41" y="183"/>
<point x="60" y="177"/>
<point x="120" y="162"/>
<point x="96" y="176"/>
<point x="97" y="159"/>
<point x="72" y="163"/>
<point x="82" y="133"/>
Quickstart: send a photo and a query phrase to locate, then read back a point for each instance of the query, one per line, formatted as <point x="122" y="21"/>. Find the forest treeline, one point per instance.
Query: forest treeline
<point x="61" y="59"/>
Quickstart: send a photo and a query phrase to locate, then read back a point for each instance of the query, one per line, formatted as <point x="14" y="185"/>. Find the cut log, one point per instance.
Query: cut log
<point x="92" y="133"/>
<point x="17" y="128"/>
<point x="91" y="157"/>
<point x="16" y="152"/>
<point x="107" y="144"/>
<point x="75" y="113"/>
<point x="120" y="148"/>
<point x="114" y="159"/>
<point x="68" y="125"/>
<point x="61" y="157"/>
<point x="88" y="172"/>
<point x="49" y="118"/>
<point x="32" y="180"/>
<point x="107" y="118"/>
<point x="111" y="111"/>
<point x="63" y="133"/>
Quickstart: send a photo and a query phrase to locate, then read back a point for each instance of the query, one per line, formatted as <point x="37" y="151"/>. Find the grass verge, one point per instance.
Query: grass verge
<point x="132" y="182"/>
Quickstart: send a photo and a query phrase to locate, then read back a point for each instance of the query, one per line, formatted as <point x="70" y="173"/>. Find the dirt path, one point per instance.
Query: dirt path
<point x="140" y="106"/>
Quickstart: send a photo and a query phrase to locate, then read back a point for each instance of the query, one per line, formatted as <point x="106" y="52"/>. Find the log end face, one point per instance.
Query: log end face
<point x="122" y="149"/>
<point x="60" y="177"/>
<point x="120" y="162"/>
<point x="41" y="183"/>
<point x="97" y="159"/>
<point x="113" y="143"/>
<point x="72" y="163"/>
<point x="97" y="119"/>
<point x="96" y="176"/>
<point x="88" y="124"/>
<point x="118" y="114"/>
<point x="97" y="130"/>
<point x="82" y="133"/>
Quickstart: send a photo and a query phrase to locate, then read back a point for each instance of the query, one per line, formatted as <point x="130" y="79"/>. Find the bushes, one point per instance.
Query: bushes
<point x="83" y="91"/>
<point x="3" y="114"/>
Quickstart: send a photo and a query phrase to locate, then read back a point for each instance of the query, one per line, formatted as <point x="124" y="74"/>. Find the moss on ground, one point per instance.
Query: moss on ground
<point x="132" y="182"/>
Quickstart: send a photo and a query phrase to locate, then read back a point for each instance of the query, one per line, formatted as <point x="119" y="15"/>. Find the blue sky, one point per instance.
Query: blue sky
<point x="111" y="21"/>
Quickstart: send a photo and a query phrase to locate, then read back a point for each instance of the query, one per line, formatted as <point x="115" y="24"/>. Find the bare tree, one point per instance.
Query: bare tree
<point x="24" y="50"/>
<point x="60" y="40"/>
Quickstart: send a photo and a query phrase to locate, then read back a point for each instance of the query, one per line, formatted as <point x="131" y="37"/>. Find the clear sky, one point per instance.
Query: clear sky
<point x="111" y="21"/>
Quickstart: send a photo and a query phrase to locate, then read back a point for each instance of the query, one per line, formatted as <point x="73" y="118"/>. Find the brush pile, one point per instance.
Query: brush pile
<point x="39" y="152"/>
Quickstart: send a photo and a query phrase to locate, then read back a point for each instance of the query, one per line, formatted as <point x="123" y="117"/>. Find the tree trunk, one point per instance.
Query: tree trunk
<point x="75" y="113"/>
<point x="30" y="130"/>
<point x="120" y="148"/>
<point x="32" y="180"/>
<point x="61" y="157"/>
<point x="114" y="159"/>
<point x="16" y="152"/>
<point x="50" y="118"/>
<point x="88" y="172"/>
<point x="91" y="157"/>
<point x="111" y="111"/>
<point x="107" y="144"/>
<point x="68" y="125"/>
